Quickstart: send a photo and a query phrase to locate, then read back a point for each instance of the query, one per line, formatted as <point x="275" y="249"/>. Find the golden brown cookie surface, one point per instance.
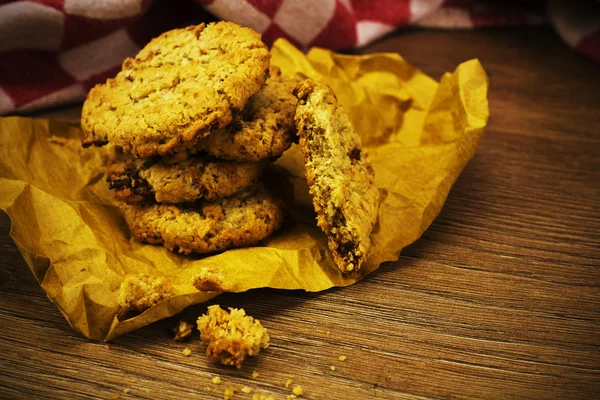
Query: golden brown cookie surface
<point x="134" y="180"/>
<point x="265" y="128"/>
<point x="183" y="85"/>
<point x="339" y="174"/>
<point x="231" y="336"/>
<point x="207" y="227"/>
<point x="141" y="292"/>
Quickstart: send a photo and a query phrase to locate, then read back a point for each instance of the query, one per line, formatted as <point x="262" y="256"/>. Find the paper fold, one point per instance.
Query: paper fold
<point x="420" y="134"/>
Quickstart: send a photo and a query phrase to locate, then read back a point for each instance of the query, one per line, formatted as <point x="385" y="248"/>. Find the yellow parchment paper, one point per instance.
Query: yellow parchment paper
<point x="420" y="134"/>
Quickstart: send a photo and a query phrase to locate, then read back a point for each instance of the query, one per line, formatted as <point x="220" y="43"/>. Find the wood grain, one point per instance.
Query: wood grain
<point x="499" y="299"/>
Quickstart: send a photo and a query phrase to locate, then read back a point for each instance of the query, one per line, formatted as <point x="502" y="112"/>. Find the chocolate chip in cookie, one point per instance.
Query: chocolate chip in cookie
<point x="339" y="174"/>
<point x="264" y="129"/>
<point x="208" y="227"/>
<point x="135" y="180"/>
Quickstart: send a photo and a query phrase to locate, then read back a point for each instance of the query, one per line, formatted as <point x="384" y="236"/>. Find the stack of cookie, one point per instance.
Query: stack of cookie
<point x="195" y="119"/>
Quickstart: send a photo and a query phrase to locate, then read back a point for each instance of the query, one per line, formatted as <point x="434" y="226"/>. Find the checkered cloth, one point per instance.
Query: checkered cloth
<point x="53" y="51"/>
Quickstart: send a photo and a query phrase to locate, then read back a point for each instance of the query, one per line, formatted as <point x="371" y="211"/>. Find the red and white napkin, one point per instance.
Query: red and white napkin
<point x="53" y="51"/>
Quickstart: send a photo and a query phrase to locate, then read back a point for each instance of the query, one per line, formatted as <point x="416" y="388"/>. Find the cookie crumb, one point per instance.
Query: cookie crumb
<point x="183" y="331"/>
<point x="107" y="347"/>
<point x="207" y="388"/>
<point x="229" y="393"/>
<point x="328" y="333"/>
<point x="297" y="390"/>
<point x="342" y="358"/>
<point x="115" y="396"/>
<point x="255" y="374"/>
<point x="133" y="380"/>
<point x="187" y="351"/>
<point x="246" y="389"/>
<point x="208" y="280"/>
<point x="288" y="383"/>
<point x="126" y="390"/>
<point x="141" y="292"/>
<point x="216" y="380"/>
<point x="232" y="336"/>
<point x="332" y="367"/>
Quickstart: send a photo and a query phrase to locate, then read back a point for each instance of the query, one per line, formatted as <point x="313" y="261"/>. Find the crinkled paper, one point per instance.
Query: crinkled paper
<point x="420" y="134"/>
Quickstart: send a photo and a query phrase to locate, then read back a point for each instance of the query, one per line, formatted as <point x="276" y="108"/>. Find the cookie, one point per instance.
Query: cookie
<point x="141" y="292"/>
<point x="231" y="336"/>
<point x="339" y="174"/>
<point x="265" y="128"/>
<point x="134" y="180"/>
<point x="207" y="227"/>
<point x="183" y="85"/>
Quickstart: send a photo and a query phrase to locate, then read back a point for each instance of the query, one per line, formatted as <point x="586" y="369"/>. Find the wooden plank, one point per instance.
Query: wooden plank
<point x="500" y="298"/>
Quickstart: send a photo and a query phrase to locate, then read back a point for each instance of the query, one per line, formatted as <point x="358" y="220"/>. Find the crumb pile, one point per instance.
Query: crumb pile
<point x="231" y="336"/>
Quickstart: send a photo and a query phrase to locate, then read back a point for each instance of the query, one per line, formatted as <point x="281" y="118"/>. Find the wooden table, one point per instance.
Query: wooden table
<point x="499" y="299"/>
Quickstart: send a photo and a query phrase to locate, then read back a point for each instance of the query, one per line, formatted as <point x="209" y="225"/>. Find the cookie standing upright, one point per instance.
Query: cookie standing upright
<point x="339" y="174"/>
<point x="182" y="86"/>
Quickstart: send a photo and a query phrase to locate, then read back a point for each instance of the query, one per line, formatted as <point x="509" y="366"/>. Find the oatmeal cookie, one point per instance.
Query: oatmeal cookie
<point x="231" y="336"/>
<point x="183" y="85"/>
<point x="134" y="180"/>
<point x="141" y="292"/>
<point x="265" y="128"/>
<point x="207" y="227"/>
<point x="339" y="175"/>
